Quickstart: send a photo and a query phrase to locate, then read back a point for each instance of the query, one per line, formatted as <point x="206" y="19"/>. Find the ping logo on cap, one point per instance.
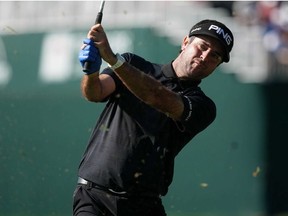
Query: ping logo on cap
<point x="220" y="31"/>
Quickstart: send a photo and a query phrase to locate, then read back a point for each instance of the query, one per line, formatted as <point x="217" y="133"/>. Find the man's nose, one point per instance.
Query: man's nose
<point x="205" y="54"/>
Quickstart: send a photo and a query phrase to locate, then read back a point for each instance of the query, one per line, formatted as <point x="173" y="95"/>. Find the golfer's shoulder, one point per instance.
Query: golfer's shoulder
<point x="139" y="62"/>
<point x="133" y="58"/>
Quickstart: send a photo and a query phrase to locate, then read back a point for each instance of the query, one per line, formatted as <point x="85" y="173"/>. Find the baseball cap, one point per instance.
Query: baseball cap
<point x="216" y="30"/>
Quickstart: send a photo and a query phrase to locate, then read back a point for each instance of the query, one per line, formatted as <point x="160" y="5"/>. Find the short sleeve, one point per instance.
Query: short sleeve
<point x="199" y="111"/>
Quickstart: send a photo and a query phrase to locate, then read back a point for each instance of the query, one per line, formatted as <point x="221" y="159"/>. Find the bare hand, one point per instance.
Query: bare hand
<point x="98" y="35"/>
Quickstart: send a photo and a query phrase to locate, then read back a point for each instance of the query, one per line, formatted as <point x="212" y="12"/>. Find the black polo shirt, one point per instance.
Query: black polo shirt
<point x="133" y="146"/>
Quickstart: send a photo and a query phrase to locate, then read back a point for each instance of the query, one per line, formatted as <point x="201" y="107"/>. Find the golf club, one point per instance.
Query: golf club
<point x="98" y="20"/>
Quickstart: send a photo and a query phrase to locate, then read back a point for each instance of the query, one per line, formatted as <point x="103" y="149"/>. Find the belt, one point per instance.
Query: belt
<point x="117" y="193"/>
<point x="93" y="185"/>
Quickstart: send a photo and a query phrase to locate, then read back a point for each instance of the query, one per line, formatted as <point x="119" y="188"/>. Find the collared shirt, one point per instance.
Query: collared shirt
<point x="133" y="146"/>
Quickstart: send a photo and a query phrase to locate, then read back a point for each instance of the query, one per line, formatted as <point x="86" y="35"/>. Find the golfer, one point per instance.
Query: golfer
<point x="152" y="111"/>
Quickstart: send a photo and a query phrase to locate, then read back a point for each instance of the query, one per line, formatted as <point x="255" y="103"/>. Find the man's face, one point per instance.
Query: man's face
<point x="200" y="56"/>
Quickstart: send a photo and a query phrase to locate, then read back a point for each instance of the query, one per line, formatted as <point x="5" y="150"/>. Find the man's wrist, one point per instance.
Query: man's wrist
<point x="93" y="74"/>
<point x="119" y="62"/>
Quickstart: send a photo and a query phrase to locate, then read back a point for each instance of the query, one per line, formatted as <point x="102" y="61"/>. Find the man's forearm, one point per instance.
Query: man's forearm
<point x="151" y="91"/>
<point x="91" y="87"/>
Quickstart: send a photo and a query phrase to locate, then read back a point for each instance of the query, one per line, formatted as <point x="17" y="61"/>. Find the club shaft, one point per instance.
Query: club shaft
<point x="87" y="67"/>
<point x="100" y="13"/>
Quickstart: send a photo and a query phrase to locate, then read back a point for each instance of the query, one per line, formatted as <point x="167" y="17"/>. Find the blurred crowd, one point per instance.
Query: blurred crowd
<point x="272" y="17"/>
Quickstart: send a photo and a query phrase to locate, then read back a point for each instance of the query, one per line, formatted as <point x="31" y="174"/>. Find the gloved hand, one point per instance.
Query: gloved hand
<point x="90" y="54"/>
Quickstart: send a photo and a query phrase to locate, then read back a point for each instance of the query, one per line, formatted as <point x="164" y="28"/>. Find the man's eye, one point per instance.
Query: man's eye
<point x="202" y="47"/>
<point x="216" y="56"/>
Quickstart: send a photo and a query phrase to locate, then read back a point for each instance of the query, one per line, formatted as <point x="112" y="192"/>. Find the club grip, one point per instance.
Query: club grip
<point x="99" y="18"/>
<point x="87" y="67"/>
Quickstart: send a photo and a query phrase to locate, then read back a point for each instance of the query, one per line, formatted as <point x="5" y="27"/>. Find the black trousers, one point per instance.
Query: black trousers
<point x="89" y="201"/>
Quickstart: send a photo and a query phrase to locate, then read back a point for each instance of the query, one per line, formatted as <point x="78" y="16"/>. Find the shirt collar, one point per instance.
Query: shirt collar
<point x="169" y="72"/>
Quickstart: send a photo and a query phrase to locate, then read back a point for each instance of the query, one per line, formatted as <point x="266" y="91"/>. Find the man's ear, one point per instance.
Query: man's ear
<point x="185" y="42"/>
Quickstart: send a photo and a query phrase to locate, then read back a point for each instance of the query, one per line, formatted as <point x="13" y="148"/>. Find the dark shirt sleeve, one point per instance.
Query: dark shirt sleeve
<point x="199" y="111"/>
<point x="132" y="59"/>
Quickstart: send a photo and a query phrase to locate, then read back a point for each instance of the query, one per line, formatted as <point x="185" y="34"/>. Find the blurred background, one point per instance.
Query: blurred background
<point x="238" y="166"/>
